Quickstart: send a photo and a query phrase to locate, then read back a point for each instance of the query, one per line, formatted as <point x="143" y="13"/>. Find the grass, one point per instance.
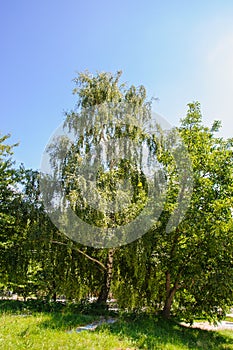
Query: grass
<point x="23" y="328"/>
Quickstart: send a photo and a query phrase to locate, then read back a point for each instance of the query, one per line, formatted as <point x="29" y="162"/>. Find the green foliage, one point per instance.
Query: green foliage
<point x="107" y="111"/>
<point x="187" y="271"/>
<point x="9" y="200"/>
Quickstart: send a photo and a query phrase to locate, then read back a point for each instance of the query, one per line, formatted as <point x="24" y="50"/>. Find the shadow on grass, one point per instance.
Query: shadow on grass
<point x="58" y="315"/>
<point x="67" y="321"/>
<point x="145" y="331"/>
<point x="29" y="306"/>
<point x="155" y="333"/>
<point x="34" y="305"/>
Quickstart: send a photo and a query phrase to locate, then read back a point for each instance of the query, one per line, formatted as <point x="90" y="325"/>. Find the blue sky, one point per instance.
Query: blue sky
<point x="180" y="50"/>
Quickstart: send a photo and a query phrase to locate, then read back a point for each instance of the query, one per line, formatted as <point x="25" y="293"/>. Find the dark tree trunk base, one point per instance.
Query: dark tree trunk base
<point x="104" y="292"/>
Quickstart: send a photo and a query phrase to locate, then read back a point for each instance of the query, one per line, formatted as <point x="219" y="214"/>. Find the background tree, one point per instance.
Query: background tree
<point x="9" y="200"/>
<point x="190" y="267"/>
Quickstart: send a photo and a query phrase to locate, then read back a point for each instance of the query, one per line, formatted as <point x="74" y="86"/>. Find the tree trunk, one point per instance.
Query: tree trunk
<point x="54" y="296"/>
<point x="170" y="292"/>
<point x="105" y="289"/>
<point x="54" y="293"/>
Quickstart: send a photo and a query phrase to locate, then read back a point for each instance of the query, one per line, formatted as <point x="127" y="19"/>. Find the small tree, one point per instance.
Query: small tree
<point x="197" y="255"/>
<point x="189" y="269"/>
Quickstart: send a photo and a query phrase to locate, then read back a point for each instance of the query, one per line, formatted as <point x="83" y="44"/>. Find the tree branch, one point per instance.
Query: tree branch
<point x="85" y="254"/>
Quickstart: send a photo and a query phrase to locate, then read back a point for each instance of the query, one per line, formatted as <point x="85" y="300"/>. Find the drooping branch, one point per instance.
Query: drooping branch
<point x="85" y="254"/>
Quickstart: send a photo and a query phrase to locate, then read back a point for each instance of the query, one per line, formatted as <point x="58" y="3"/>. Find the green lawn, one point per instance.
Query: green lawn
<point x="49" y="330"/>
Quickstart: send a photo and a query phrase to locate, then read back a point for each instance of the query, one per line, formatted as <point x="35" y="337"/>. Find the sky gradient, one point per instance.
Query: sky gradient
<point x="180" y="50"/>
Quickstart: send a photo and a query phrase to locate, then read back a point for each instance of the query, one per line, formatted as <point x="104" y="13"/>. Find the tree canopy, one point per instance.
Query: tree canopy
<point x="181" y="265"/>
